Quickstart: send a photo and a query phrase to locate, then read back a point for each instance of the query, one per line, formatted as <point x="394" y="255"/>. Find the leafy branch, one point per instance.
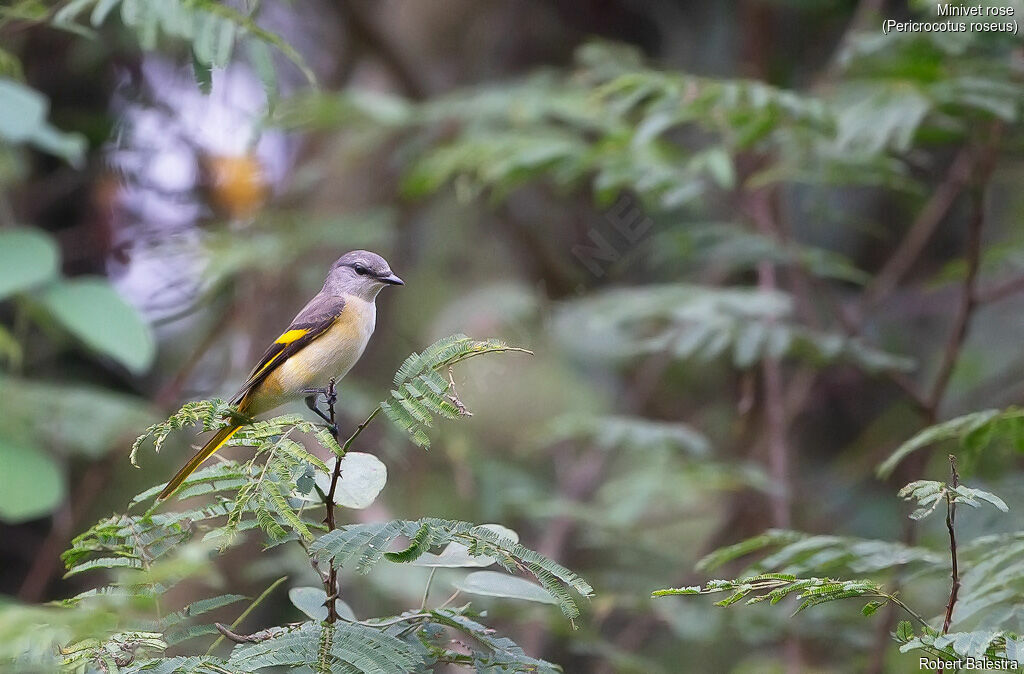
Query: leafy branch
<point x="271" y="491"/>
<point x="774" y="587"/>
<point x="974" y="431"/>
<point x="1002" y="648"/>
<point x="929" y="493"/>
<point x="800" y="553"/>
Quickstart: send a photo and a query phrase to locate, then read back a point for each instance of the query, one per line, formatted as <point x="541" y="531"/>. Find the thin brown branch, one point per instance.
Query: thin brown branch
<point x="331" y="399"/>
<point x="233" y="636"/>
<point x="954" y="589"/>
<point x="359" y="429"/>
<point x="331" y="580"/>
<point x="331" y="585"/>
<point x="968" y="302"/>
<point x="985" y="164"/>
<point x="1000" y="291"/>
<point x="761" y="209"/>
<point x="921" y="230"/>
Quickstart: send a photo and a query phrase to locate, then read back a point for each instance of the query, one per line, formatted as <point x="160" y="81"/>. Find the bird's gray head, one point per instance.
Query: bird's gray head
<point x="360" y="273"/>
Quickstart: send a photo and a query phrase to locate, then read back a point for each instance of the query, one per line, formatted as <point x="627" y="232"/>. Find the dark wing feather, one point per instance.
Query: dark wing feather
<point x="314" y="319"/>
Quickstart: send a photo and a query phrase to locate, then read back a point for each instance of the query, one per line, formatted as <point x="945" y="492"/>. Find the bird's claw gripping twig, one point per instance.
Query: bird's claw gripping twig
<point x="330" y="397"/>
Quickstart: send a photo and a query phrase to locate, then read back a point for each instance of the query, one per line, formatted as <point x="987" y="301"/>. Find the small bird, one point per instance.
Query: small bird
<point x="322" y="343"/>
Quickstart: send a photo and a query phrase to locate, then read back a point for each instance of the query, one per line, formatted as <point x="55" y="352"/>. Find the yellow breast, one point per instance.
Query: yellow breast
<point x="332" y="354"/>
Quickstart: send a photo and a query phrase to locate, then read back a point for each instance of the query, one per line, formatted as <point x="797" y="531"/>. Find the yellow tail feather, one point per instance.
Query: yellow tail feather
<point x="215" y="443"/>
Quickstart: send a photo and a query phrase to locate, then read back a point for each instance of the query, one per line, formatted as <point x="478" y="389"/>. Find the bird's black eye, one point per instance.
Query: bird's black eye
<point x="360" y="269"/>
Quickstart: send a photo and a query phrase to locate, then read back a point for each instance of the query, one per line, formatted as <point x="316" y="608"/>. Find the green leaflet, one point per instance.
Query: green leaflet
<point x="364" y="545"/>
<point x="421" y="393"/>
<point x="339" y="647"/>
<point x="975" y="431"/>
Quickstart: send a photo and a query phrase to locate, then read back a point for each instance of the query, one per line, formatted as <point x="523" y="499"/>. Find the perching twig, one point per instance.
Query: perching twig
<point x="331" y="583"/>
<point x="330" y="579"/>
<point x="331" y="586"/>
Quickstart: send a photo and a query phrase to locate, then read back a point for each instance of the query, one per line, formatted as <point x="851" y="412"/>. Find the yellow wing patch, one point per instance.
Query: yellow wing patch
<point x="290" y="336"/>
<point x="267" y="364"/>
<point x="287" y="338"/>
<point x="284" y="347"/>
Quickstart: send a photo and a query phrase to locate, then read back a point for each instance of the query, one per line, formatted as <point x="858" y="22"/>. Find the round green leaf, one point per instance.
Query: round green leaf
<point x="495" y="584"/>
<point x="312" y="602"/>
<point x="31" y="484"/>
<point x="363" y="476"/>
<point x="93" y="312"/>
<point x="28" y="257"/>
<point x="23" y="120"/>
<point x="24" y="111"/>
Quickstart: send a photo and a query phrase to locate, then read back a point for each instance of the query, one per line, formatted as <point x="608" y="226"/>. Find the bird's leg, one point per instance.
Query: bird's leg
<point x="330" y="397"/>
<point x="311" y="403"/>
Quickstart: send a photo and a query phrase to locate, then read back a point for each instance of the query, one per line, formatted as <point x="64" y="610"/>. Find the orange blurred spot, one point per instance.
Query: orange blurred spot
<point x="238" y="186"/>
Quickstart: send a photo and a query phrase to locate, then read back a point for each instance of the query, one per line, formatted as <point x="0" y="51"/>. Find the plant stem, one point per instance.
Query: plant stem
<point x="331" y="582"/>
<point x="426" y="590"/>
<point x="929" y="403"/>
<point x="245" y="614"/>
<point x="391" y="621"/>
<point x="332" y="574"/>
<point x="917" y="616"/>
<point x="359" y="429"/>
<point x="954" y="589"/>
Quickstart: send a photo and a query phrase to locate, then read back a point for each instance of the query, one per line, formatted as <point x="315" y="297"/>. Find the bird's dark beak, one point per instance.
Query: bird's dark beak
<point x="392" y="280"/>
